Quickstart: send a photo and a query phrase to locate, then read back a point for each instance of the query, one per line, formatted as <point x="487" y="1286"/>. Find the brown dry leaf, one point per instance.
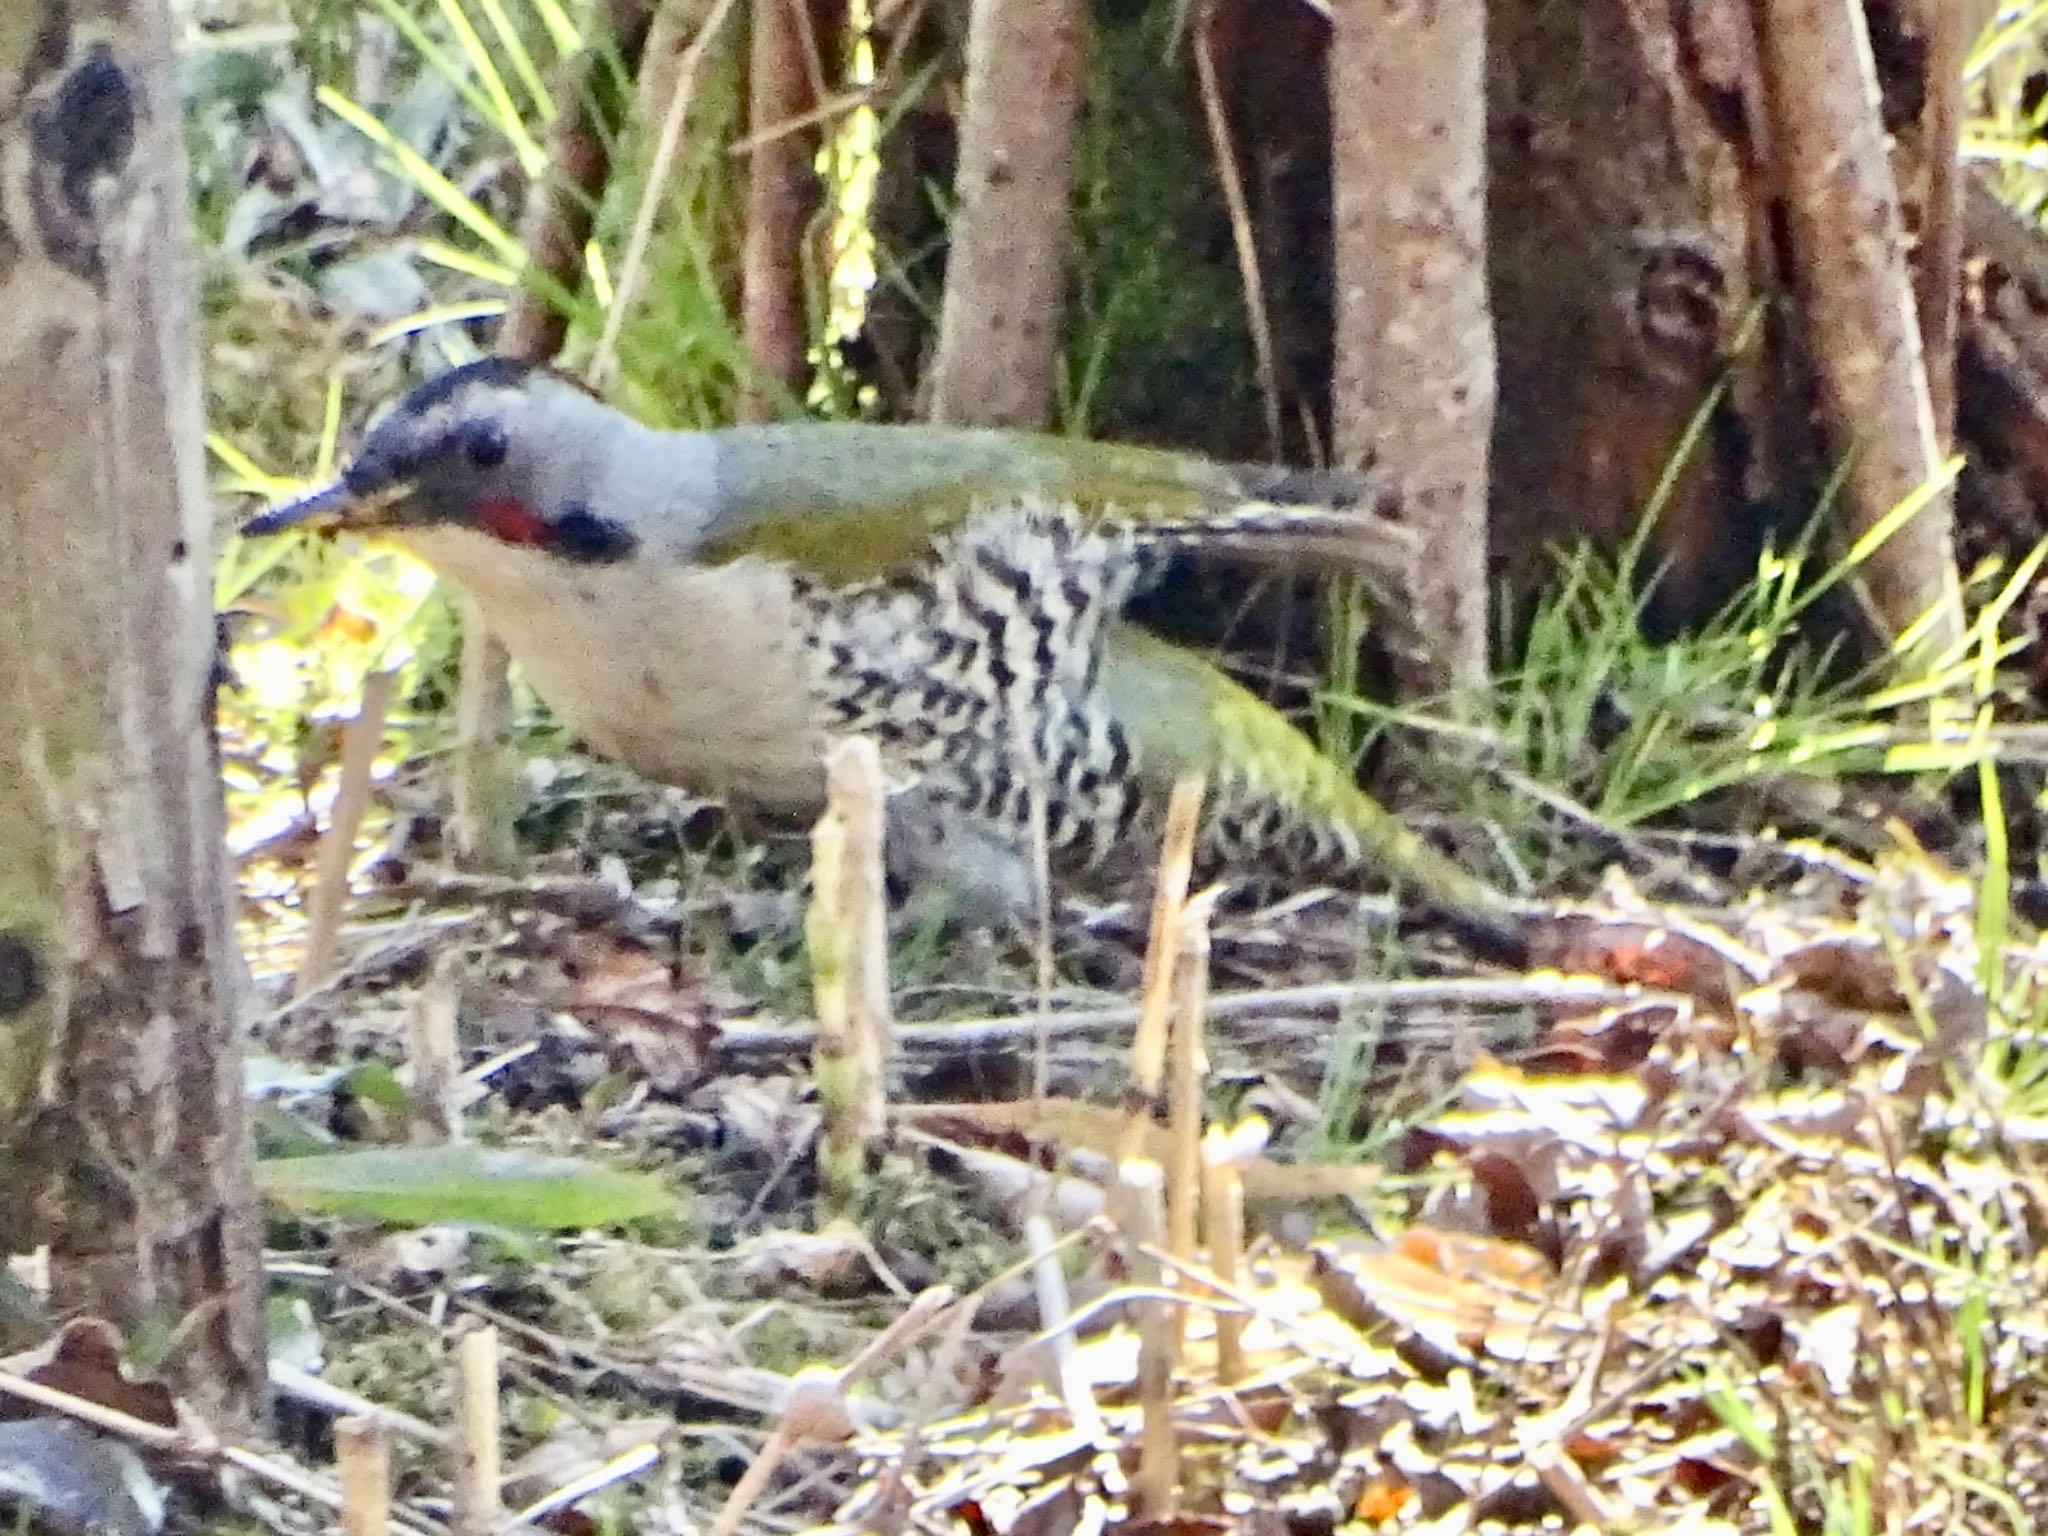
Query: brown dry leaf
<point x="1459" y="1293"/>
<point x="84" y="1359"/>
<point x="652" y="1020"/>
<point x="1660" y="950"/>
<point x="836" y="1262"/>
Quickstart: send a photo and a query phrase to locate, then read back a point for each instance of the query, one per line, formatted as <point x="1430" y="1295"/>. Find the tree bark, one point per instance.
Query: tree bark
<point x="1856" y="301"/>
<point x="1938" y="253"/>
<point x="999" y="327"/>
<point x="122" y="1133"/>
<point x="1412" y="388"/>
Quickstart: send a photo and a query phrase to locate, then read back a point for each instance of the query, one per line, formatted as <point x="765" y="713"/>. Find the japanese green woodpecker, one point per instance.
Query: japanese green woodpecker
<point x="710" y="608"/>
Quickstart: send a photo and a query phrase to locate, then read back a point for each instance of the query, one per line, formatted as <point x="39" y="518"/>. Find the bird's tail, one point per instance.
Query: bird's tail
<point x="1277" y="802"/>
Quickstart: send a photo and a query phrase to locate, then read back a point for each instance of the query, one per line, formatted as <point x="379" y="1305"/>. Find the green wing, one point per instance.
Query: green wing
<point x="853" y="502"/>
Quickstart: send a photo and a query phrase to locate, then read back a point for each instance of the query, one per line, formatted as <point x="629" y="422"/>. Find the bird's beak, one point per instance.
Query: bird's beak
<point x="336" y="504"/>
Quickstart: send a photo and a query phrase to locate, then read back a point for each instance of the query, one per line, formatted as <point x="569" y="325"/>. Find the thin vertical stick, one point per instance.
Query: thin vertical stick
<point x="1937" y="276"/>
<point x="1230" y="176"/>
<point x="1190" y="1068"/>
<point x="477" y="1506"/>
<point x="1176" y="869"/>
<point x="329" y="901"/>
<point x="436" y="1056"/>
<point x="632" y="266"/>
<point x="481" y="827"/>
<point x="362" y="1455"/>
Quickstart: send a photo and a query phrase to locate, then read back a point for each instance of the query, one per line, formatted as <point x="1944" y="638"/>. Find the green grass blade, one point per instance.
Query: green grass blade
<point x="522" y="61"/>
<point x="506" y="114"/>
<point x="438" y="189"/>
<point x="437" y="315"/>
<point x="470" y="264"/>
<point x="443" y="64"/>
<point x="561" y="31"/>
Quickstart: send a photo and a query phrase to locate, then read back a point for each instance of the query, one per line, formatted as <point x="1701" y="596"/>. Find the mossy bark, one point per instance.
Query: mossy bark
<point x="122" y="1132"/>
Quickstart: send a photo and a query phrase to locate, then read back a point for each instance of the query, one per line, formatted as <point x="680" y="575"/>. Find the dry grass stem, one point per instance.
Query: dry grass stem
<point x="1462" y="992"/>
<point x="1243" y="238"/>
<point x="1141" y="1192"/>
<point x="632" y="268"/>
<point x="290" y="1381"/>
<point x="328" y="903"/>
<point x="480" y="819"/>
<point x="477" y="1507"/>
<point x="1176" y="869"/>
<point x="1190" y="1068"/>
<point x="630" y="1464"/>
<point x="362" y="1457"/>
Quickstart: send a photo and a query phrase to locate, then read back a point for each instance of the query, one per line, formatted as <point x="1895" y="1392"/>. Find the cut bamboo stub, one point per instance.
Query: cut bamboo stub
<point x="362" y="1455"/>
<point x="477" y="1504"/>
<point x="1223" y="1227"/>
<point x="848" y="937"/>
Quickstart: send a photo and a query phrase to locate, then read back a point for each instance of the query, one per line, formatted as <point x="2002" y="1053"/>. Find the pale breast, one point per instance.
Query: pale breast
<point x="693" y="676"/>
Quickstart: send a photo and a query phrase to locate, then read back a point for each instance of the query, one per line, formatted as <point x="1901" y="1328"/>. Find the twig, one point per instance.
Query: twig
<point x="1162" y="946"/>
<point x="1223" y="1227"/>
<point x="1231" y="177"/>
<point x="1190" y="1069"/>
<point x="630" y="1464"/>
<point x="1142" y="1216"/>
<point x="292" y="1382"/>
<point x="436" y="1056"/>
<point x="1049" y="1281"/>
<point x="817" y="1410"/>
<point x="1474" y="992"/>
<point x="329" y="900"/>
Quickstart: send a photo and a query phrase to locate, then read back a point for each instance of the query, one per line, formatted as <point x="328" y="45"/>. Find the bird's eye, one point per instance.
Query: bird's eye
<point x="485" y="444"/>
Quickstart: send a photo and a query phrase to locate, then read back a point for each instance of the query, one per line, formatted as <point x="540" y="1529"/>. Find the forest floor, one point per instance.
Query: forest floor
<point x="1728" y="1216"/>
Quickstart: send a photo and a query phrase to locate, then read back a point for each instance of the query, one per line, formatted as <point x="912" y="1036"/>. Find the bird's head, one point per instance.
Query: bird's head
<point x="504" y="448"/>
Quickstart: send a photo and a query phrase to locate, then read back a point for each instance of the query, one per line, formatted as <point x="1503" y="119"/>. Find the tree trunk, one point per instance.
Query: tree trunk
<point x="1856" y="299"/>
<point x="784" y="75"/>
<point x="122" y="1134"/>
<point x="1412" y="385"/>
<point x="1006" y="278"/>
